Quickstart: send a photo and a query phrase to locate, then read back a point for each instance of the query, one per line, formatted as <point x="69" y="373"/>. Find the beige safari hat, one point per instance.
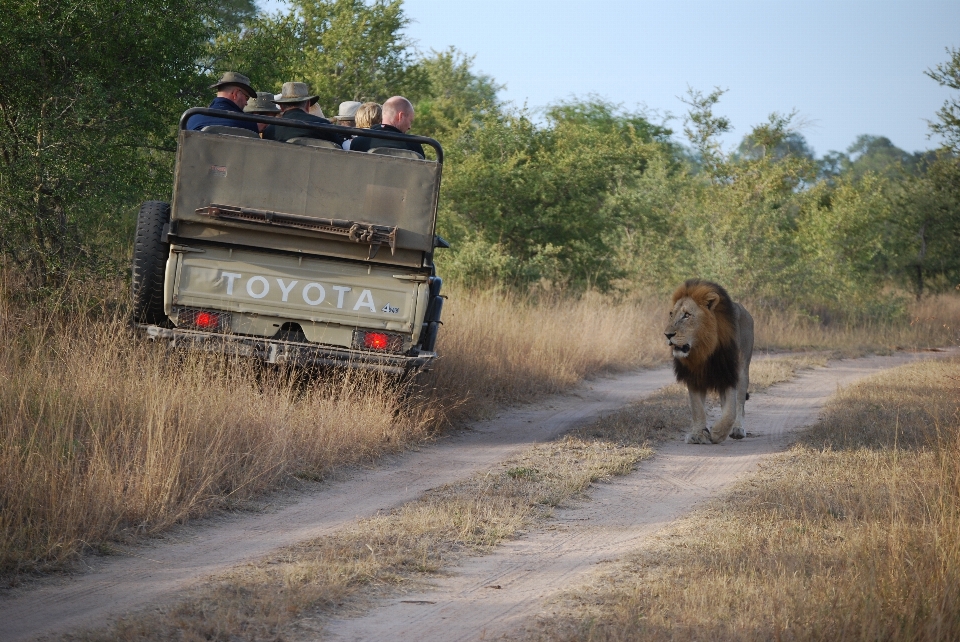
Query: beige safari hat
<point x="239" y="80"/>
<point x="348" y="110"/>
<point x="262" y="104"/>
<point x="295" y="92"/>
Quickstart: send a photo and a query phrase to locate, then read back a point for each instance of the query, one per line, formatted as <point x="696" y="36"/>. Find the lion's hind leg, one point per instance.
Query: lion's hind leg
<point x="698" y="426"/>
<point x="745" y="332"/>
<point x="738" y="431"/>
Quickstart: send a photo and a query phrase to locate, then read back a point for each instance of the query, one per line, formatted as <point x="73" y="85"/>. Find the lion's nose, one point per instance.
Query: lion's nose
<point x="670" y="335"/>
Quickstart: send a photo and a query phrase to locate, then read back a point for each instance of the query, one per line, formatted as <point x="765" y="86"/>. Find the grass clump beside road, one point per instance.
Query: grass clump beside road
<point x="852" y="534"/>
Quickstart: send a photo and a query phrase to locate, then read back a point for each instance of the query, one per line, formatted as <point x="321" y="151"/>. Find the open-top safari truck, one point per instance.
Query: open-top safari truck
<point x="293" y="251"/>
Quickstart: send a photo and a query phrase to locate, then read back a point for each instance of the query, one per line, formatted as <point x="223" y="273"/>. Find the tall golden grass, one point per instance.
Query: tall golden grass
<point x="499" y="347"/>
<point x="105" y="436"/>
<point x="933" y="321"/>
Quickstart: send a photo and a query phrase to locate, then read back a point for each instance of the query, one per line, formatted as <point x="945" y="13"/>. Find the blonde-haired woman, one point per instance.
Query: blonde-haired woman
<point x="367" y="115"/>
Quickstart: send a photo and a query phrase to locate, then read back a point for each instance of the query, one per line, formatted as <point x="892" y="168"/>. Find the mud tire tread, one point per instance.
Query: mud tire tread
<point x="149" y="262"/>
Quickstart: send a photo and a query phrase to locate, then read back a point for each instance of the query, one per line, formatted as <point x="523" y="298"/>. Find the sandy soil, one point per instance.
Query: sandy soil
<point x="493" y="596"/>
<point x="157" y="572"/>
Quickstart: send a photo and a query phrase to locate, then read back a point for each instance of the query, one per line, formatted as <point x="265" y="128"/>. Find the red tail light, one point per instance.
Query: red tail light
<point x="203" y="320"/>
<point x="376" y="340"/>
<point x="379" y="341"/>
<point x="207" y="320"/>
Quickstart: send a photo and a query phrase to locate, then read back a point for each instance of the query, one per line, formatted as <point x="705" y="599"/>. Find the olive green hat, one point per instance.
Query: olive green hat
<point x="295" y="92"/>
<point x="239" y="80"/>
<point x="262" y="104"/>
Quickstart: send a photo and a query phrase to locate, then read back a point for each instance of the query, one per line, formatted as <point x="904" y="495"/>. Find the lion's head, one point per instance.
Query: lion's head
<point x="701" y="321"/>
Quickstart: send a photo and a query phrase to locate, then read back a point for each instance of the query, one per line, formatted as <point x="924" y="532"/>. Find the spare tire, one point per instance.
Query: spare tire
<point x="150" y="262"/>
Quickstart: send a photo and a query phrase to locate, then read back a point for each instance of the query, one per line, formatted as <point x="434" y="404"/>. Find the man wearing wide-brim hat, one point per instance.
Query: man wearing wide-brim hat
<point x="262" y="105"/>
<point x="294" y="101"/>
<point x="233" y="91"/>
<point x="347" y="114"/>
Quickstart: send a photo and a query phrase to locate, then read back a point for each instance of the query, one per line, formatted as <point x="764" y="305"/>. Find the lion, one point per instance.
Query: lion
<point x="712" y="341"/>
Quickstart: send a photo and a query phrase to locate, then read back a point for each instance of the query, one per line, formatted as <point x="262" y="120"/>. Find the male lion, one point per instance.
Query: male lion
<point x="712" y="341"/>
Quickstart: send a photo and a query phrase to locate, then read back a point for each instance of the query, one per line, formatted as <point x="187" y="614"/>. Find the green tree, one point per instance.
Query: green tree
<point x="453" y="96"/>
<point x="702" y="128"/>
<point x="878" y="155"/>
<point x="230" y="15"/>
<point x="923" y="243"/>
<point x="355" y="51"/>
<point x="88" y="98"/>
<point x="543" y="201"/>
<point x="947" y="74"/>
<point x="266" y="48"/>
<point x="769" y="140"/>
<point x="343" y="49"/>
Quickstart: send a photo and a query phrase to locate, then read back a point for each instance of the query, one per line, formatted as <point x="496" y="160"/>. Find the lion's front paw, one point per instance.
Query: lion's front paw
<point x="701" y="437"/>
<point x="738" y="433"/>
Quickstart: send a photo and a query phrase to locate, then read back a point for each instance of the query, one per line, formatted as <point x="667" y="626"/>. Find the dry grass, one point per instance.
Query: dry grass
<point x="503" y="348"/>
<point x="287" y="593"/>
<point x="934" y="321"/>
<point x="852" y="534"/>
<point x="106" y="437"/>
<point x="283" y="596"/>
<point x="103" y="436"/>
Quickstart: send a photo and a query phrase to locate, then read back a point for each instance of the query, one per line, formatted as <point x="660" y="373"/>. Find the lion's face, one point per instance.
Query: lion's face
<point x="691" y="328"/>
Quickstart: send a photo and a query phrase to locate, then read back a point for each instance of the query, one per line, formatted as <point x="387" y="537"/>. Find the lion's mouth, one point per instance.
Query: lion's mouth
<point x="680" y="351"/>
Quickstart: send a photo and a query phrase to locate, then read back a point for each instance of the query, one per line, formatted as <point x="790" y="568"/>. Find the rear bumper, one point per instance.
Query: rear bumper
<point x="273" y="351"/>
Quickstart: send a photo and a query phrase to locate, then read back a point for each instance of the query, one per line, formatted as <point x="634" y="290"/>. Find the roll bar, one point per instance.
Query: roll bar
<point x="330" y="129"/>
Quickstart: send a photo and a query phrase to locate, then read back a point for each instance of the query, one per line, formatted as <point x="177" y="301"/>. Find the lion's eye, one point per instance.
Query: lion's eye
<point x="685" y="315"/>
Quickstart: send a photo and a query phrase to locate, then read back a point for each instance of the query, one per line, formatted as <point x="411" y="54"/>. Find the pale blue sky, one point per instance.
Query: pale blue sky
<point x="848" y="67"/>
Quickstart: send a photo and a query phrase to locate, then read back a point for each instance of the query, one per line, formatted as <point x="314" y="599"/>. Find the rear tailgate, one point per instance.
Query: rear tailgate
<point x="307" y="290"/>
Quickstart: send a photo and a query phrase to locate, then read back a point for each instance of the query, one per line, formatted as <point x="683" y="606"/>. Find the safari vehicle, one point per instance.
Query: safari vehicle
<point x="296" y="252"/>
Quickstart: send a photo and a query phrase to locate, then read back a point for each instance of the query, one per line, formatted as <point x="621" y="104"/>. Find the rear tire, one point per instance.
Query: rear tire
<point x="150" y="262"/>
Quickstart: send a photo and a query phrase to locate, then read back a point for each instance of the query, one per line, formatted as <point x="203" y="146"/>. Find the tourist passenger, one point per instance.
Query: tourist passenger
<point x="345" y="116"/>
<point x="397" y="118"/>
<point x="262" y="105"/>
<point x="368" y="115"/>
<point x="295" y="100"/>
<point x="233" y="91"/>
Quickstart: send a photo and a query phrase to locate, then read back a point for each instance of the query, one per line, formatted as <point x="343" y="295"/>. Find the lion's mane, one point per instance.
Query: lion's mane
<point x="714" y="361"/>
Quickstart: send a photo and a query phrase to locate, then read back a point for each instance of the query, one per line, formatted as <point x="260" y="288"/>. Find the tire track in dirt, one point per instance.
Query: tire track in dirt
<point x="156" y="572"/>
<point x="492" y="596"/>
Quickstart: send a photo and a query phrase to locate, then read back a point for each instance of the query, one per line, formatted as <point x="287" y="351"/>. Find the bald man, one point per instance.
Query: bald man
<point x="397" y="118"/>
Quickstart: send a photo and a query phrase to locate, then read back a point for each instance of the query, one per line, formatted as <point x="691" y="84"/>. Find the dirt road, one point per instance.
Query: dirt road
<point x="615" y="520"/>
<point x="157" y="572"/>
<point x="492" y="596"/>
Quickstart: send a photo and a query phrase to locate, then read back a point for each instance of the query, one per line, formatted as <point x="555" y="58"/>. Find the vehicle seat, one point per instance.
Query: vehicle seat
<point x="394" y="151"/>
<point x="230" y="131"/>
<point x="313" y="142"/>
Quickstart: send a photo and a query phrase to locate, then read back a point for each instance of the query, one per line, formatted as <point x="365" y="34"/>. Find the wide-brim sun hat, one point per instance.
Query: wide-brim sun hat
<point x="295" y="92"/>
<point x="235" y="79"/>
<point x="348" y="110"/>
<point x="262" y="104"/>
